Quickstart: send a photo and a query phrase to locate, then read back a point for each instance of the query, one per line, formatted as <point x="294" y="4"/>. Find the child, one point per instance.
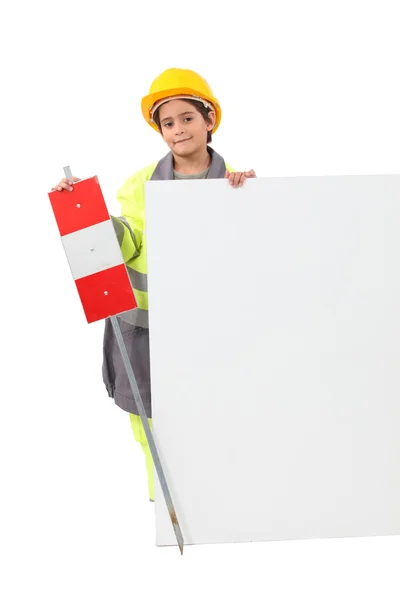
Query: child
<point x="182" y="108"/>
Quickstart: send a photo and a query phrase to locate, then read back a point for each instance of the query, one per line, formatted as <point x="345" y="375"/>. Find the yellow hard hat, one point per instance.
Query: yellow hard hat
<point x="181" y="83"/>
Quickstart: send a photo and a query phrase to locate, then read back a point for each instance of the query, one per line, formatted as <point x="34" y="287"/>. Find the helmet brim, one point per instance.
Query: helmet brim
<point x="149" y="101"/>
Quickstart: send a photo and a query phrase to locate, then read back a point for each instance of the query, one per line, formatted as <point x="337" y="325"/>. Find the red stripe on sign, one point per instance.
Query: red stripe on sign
<point x="106" y="293"/>
<point x="83" y="207"/>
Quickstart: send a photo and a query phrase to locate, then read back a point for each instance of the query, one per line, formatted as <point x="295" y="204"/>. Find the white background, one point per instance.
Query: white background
<point x="306" y="88"/>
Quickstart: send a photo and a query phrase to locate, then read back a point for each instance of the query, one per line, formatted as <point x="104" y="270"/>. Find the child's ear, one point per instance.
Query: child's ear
<point x="213" y="117"/>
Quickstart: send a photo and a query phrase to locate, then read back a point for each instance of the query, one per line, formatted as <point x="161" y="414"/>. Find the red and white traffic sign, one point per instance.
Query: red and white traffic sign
<point x="92" y="250"/>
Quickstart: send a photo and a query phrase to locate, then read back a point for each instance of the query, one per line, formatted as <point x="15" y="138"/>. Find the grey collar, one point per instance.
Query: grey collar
<point x="165" y="168"/>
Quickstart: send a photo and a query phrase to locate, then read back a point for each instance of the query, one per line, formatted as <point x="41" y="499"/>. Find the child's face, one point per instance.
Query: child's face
<point x="183" y="128"/>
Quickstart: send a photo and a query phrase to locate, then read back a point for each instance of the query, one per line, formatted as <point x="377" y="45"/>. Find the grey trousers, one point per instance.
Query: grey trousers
<point x="114" y="374"/>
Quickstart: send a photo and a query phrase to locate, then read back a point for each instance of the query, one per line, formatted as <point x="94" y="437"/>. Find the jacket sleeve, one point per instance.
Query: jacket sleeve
<point x="129" y="226"/>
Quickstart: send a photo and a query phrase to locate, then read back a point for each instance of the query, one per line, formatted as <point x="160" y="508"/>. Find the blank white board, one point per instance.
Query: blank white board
<point x="275" y="356"/>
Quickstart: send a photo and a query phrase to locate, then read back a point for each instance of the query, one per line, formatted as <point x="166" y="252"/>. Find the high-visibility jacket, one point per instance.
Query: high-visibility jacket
<point x="130" y="229"/>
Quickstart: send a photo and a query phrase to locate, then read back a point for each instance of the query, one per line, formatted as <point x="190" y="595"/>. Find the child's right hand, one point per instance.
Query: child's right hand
<point x="65" y="184"/>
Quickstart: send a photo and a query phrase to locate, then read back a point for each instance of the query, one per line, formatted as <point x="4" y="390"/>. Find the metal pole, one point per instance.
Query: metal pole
<point x="149" y="435"/>
<point x="142" y="413"/>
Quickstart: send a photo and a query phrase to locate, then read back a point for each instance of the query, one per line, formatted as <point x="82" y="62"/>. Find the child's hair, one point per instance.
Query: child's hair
<point x="200" y="108"/>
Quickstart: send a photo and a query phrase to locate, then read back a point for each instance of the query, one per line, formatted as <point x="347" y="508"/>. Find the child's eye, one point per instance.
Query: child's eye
<point x="188" y="118"/>
<point x="167" y="124"/>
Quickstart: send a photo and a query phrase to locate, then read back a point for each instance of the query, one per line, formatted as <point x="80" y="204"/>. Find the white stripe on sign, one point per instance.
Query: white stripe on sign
<point x="92" y="249"/>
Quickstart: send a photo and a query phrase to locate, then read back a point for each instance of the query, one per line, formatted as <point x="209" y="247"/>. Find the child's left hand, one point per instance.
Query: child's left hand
<point x="237" y="179"/>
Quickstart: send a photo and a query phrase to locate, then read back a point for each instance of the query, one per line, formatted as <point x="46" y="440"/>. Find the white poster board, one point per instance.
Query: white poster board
<point x="275" y="356"/>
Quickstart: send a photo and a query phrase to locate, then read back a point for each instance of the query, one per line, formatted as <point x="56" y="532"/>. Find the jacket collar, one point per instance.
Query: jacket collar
<point x="165" y="168"/>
